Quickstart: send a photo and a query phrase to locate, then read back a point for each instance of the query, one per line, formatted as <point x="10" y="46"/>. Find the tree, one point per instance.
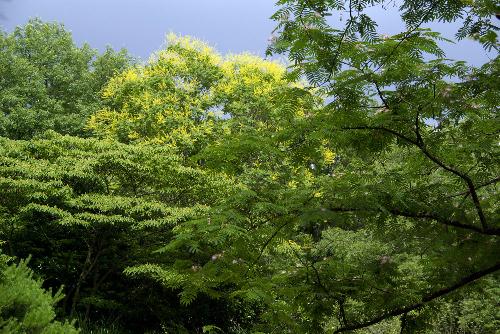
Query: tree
<point x="25" y="306"/>
<point x="248" y="144"/>
<point x="188" y="96"/>
<point x="48" y="82"/>
<point x="416" y="175"/>
<point x="399" y="212"/>
<point x="86" y="209"/>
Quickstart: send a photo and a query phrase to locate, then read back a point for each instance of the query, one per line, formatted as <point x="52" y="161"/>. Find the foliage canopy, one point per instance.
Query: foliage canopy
<point x="227" y="194"/>
<point x="48" y="82"/>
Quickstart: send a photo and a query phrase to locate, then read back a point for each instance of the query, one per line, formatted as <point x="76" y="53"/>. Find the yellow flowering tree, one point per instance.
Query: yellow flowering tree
<point x="165" y="101"/>
<point x="188" y="95"/>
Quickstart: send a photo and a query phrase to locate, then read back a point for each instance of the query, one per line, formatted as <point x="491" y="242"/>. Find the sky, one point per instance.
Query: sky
<point x="231" y="26"/>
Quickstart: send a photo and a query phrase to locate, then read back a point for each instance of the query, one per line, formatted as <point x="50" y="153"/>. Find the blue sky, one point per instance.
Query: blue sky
<point x="141" y="25"/>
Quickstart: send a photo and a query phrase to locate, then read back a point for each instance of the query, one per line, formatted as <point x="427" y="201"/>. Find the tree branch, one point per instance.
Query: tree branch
<point x="487" y="183"/>
<point x="407" y="35"/>
<point x="425" y="299"/>
<point x="379" y="92"/>
<point x="384" y="129"/>
<point x="444" y="221"/>
<point x="463" y="176"/>
<point x="420" y="144"/>
<point x="423" y="215"/>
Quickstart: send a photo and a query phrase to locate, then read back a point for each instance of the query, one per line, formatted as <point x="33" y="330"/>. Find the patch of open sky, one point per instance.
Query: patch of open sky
<point x="140" y="26"/>
<point x="230" y="26"/>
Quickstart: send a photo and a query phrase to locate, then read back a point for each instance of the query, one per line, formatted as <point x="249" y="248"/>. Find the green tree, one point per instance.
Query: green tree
<point x="408" y="212"/>
<point x="47" y="82"/>
<point x="223" y="193"/>
<point x="87" y="209"/>
<point x="398" y="209"/>
<point x="24" y="306"/>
